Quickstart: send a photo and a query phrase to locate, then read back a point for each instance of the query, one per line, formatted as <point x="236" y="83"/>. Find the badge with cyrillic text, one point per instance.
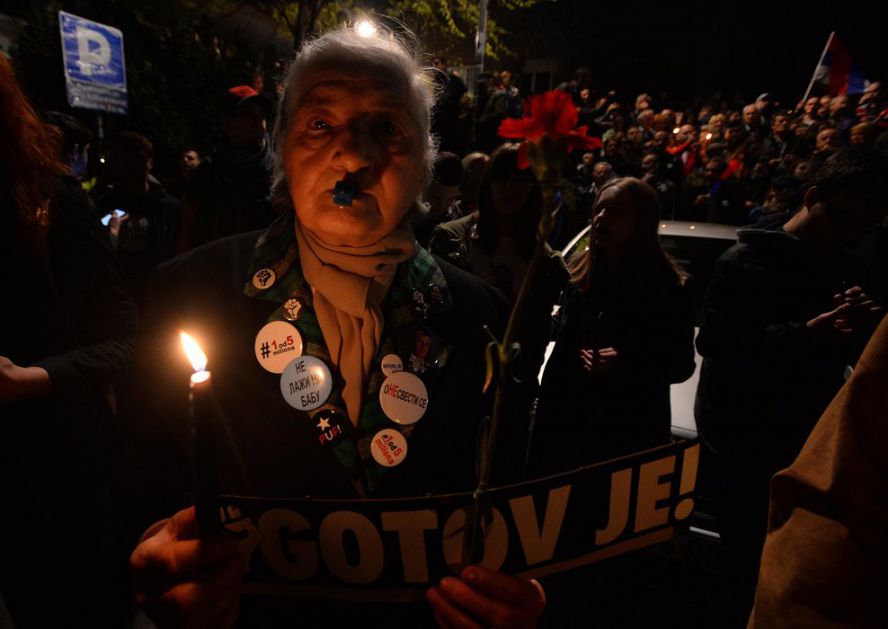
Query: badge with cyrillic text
<point x="306" y="383"/>
<point x="403" y="398"/>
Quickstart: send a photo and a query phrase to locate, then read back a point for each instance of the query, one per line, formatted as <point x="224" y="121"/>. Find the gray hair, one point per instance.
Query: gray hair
<point x="386" y="53"/>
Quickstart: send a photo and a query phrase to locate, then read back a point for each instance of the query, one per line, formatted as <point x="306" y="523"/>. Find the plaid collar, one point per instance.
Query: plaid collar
<point x="418" y="292"/>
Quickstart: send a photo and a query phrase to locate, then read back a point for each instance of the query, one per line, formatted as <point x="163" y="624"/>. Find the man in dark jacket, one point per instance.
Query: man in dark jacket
<point x="231" y="190"/>
<point x="142" y="219"/>
<point x="783" y="312"/>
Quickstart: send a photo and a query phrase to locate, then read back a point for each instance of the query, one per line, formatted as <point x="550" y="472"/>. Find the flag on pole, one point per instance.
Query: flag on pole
<point x="837" y="73"/>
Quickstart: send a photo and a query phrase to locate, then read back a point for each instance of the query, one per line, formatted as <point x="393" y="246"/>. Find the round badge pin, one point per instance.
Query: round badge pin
<point x="435" y="293"/>
<point x="306" y="383"/>
<point x="263" y="278"/>
<point x="388" y="447"/>
<point x="331" y="425"/>
<point x="293" y="308"/>
<point x="403" y="398"/>
<point x="276" y="345"/>
<point x="391" y="363"/>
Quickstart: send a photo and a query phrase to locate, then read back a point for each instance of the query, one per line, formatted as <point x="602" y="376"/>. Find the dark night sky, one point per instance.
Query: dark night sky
<point x="694" y="48"/>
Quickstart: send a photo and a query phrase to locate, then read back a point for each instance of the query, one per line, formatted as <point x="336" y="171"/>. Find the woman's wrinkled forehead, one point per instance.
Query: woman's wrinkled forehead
<point x="361" y="80"/>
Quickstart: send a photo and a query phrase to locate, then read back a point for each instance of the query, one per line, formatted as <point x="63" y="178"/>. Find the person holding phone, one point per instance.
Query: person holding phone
<point x="67" y="330"/>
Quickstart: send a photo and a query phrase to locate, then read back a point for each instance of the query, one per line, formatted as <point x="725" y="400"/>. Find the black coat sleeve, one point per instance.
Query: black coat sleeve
<point x="735" y="318"/>
<point x="101" y="315"/>
<point x="661" y="349"/>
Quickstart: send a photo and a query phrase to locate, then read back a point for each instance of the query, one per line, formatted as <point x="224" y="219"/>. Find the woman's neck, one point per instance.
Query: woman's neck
<point x="507" y="226"/>
<point x="614" y="261"/>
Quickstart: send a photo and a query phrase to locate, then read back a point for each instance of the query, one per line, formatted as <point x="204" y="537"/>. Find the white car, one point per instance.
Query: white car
<point x="696" y="246"/>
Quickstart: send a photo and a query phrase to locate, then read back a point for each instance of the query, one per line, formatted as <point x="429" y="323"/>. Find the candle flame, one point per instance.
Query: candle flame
<point x="195" y="354"/>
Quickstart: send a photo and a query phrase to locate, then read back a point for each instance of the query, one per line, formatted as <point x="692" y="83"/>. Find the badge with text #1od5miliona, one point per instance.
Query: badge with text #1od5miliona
<point x="388" y="447"/>
<point x="276" y="345"/>
<point x="306" y="383"/>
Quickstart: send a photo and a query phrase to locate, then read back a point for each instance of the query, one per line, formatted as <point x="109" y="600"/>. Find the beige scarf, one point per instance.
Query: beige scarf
<point x="349" y="284"/>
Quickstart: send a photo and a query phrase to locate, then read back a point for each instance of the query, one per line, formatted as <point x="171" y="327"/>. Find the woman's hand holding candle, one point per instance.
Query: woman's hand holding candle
<point x="181" y="580"/>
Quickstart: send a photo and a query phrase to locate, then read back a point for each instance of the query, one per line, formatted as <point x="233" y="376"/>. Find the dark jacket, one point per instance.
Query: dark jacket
<point x="65" y="309"/>
<point x="149" y="234"/>
<point x="765" y="378"/>
<point x="581" y="418"/>
<point x="271" y="449"/>
<point x="230" y="193"/>
<point x="454" y="241"/>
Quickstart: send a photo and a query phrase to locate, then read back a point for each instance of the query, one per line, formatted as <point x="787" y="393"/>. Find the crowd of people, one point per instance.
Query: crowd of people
<point x="373" y="229"/>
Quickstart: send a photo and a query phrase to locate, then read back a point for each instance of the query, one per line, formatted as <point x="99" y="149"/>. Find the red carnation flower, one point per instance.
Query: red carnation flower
<point x="553" y="115"/>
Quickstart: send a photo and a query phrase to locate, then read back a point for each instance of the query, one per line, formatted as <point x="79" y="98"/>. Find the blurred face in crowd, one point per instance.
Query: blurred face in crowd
<point x="441" y="198"/>
<point x="780" y="124"/>
<point x="649" y="164"/>
<point x="731" y="134"/>
<point x="847" y="214"/>
<point x="246" y="124"/>
<point x="823" y="106"/>
<point x="473" y="169"/>
<point x="635" y="135"/>
<point x="858" y="134"/>
<point x="838" y="104"/>
<point x="602" y="173"/>
<point x="717" y="123"/>
<point x="646" y="118"/>
<point x="511" y="190"/>
<point x="355" y="127"/>
<point x="734" y="118"/>
<point x="811" y="105"/>
<point x="802" y="170"/>
<point x="826" y="139"/>
<point x="135" y="164"/>
<point x="873" y="92"/>
<point x="588" y="160"/>
<point x="612" y="145"/>
<point x="190" y="160"/>
<point x="615" y="220"/>
<point x="714" y="168"/>
<point x="661" y="139"/>
<point x="751" y="116"/>
<point x="685" y="132"/>
<point x="642" y="102"/>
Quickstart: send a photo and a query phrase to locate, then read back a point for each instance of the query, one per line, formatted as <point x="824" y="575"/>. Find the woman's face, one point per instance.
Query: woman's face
<point x="615" y="220"/>
<point x="510" y="191"/>
<point x="353" y="127"/>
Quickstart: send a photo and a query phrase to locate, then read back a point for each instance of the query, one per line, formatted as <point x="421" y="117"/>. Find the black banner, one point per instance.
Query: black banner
<point x="394" y="549"/>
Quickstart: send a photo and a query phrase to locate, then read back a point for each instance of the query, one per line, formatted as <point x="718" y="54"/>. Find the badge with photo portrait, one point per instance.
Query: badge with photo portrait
<point x="419" y="347"/>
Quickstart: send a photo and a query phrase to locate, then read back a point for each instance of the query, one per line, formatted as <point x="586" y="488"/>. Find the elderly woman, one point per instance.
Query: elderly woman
<point x="339" y="276"/>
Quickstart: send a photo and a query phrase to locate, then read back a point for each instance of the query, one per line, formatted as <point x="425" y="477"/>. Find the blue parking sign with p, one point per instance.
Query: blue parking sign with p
<point x="95" y="70"/>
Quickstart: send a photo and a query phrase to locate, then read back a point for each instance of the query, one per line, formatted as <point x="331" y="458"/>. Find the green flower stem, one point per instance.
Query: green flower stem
<point x="505" y="354"/>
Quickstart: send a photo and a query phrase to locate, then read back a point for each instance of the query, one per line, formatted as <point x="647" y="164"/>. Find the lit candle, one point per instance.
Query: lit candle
<point x="203" y="440"/>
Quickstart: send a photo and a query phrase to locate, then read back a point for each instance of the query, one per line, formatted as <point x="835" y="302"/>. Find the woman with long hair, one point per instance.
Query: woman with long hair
<point x="66" y="330"/>
<point x="624" y="334"/>
<point x="496" y="244"/>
